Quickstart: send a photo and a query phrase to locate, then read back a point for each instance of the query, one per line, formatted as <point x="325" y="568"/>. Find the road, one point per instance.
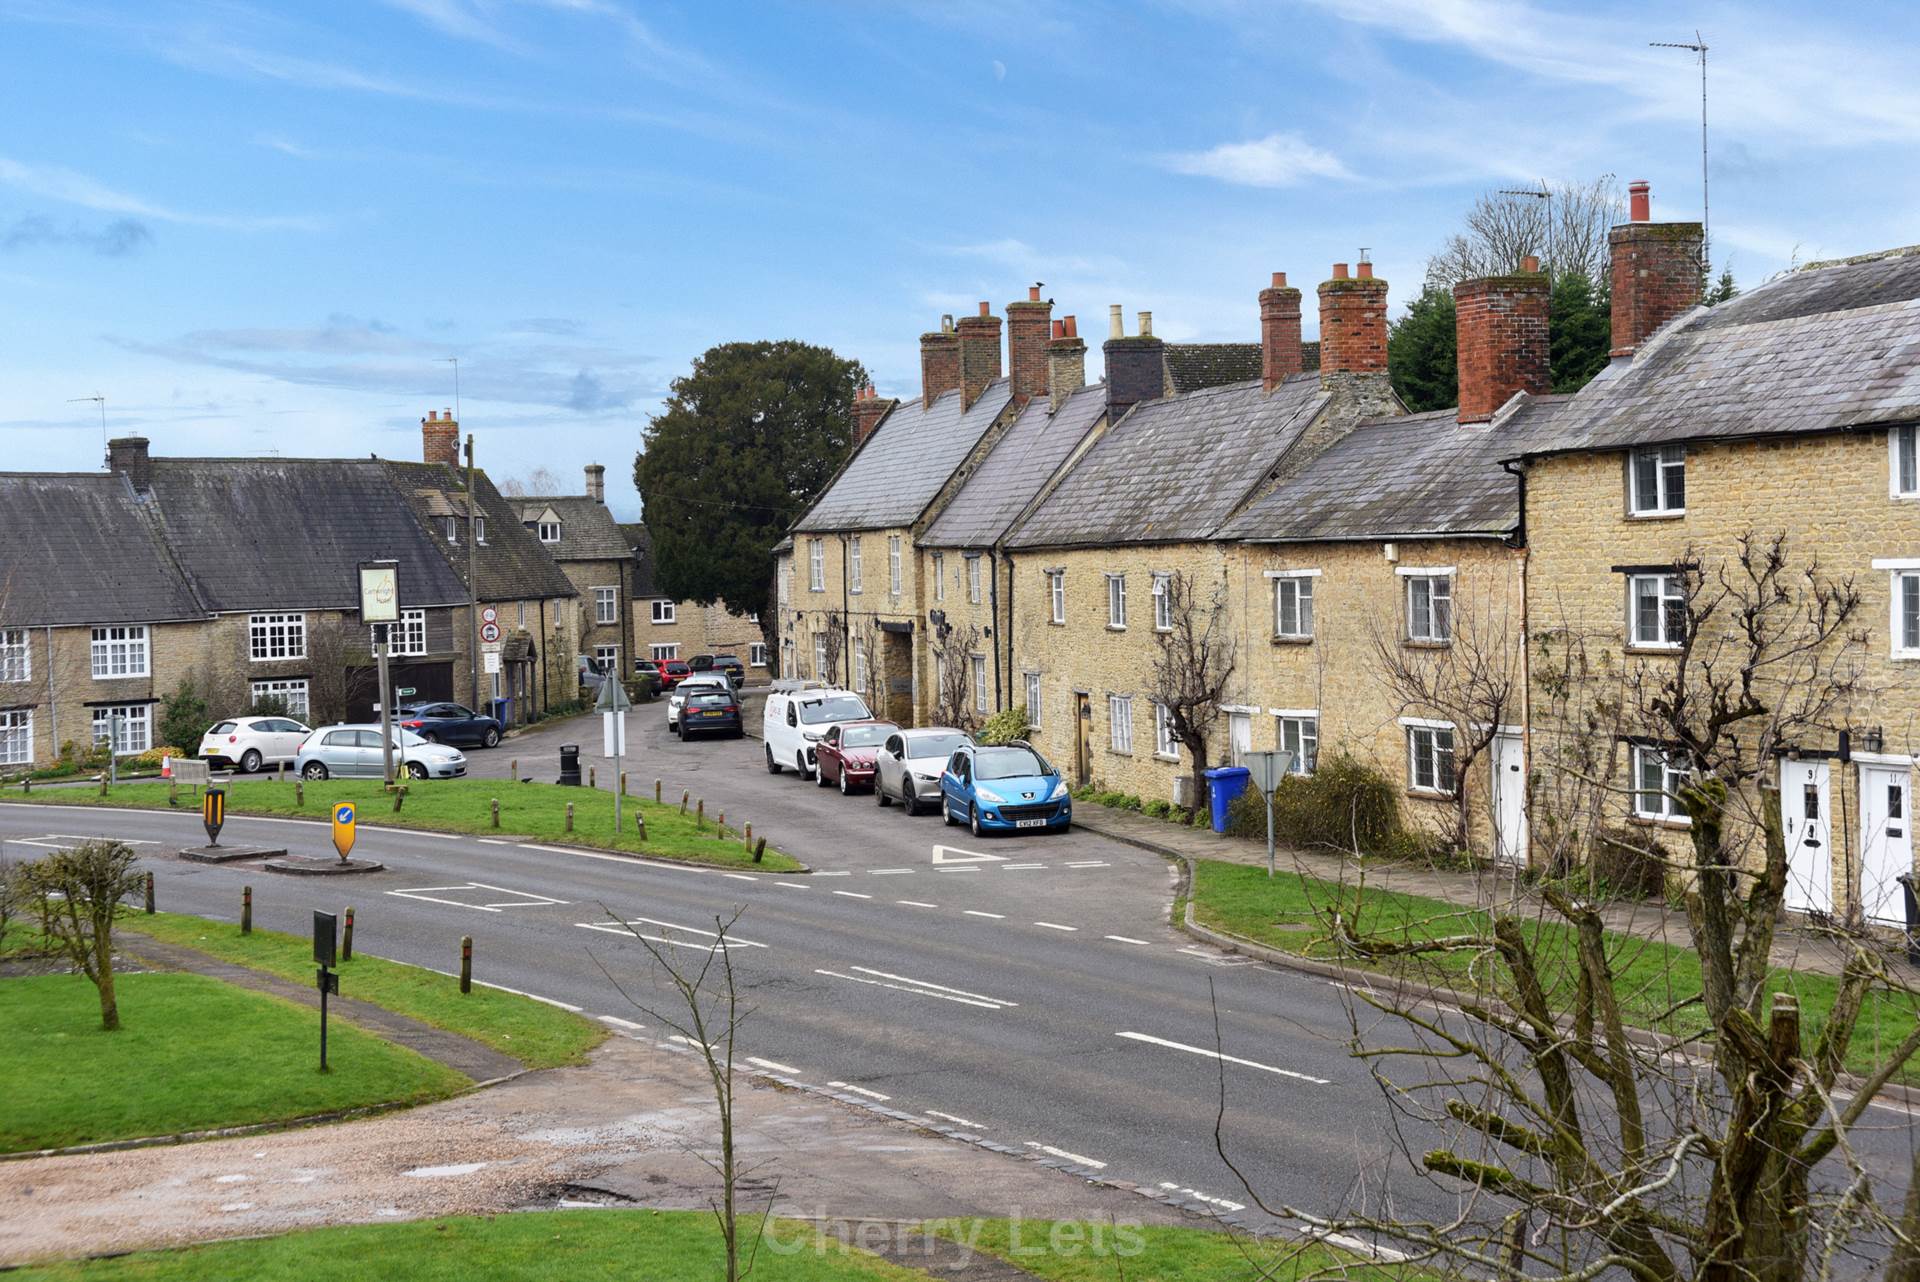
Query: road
<point x="1027" y="991"/>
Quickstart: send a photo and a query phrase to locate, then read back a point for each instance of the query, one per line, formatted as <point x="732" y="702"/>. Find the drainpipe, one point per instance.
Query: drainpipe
<point x="993" y="609"/>
<point x="1010" y="658"/>
<point x="53" y="708"/>
<point x="846" y="618"/>
<point x="1519" y="540"/>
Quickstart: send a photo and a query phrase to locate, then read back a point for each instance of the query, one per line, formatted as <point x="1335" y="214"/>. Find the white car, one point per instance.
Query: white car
<point x="796" y="720"/>
<point x="248" y="744"/>
<point x="693" y="685"/>
<point x="909" y="764"/>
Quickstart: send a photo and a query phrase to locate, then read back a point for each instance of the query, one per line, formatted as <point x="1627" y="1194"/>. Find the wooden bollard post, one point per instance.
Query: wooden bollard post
<point x="149" y="894"/>
<point x="103" y="783"/>
<point x="399" y="796"/>
<point x="591" y="777"/>
<point x="466" y="963"/>
<point x="623" y="783"/>
<point x="246" y="910"/>
<point x="173" y="792"/>
<point x="494" y="806"/>
<point x="685" y="797"/>
<point x="700" y="815"/>
<point x="26" y="785"/>
<point x="656" y="792"/>
<point x="346" y="938"/>
<point x="749" y="835"/>
<point x="720" y="824"/>
<point x="299" y="792"/>
<point x="640" y="825"/>
<point x="759" y="849"/>
<point x="516" y="770"/>
<point x="569" y="816"/>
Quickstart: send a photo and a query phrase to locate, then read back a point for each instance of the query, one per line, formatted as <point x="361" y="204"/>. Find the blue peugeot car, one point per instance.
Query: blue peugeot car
<point x="1004" y="787"/>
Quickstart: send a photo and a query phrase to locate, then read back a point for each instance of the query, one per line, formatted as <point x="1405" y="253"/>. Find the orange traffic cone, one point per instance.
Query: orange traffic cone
<point x="166" y="767"/>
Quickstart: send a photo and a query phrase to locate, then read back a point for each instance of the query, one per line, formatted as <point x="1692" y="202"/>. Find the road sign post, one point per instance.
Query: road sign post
<point x="328" y="982"/>
<point x="213" y="812"/>
<point x="344" y="830"/>
<point x="612" y="706"/>
<point x="1266" y="771"/>
<point x="380" y="606"/>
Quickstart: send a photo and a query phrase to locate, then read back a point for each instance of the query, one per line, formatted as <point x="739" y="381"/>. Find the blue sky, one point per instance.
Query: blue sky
<point x="259" y="228"/>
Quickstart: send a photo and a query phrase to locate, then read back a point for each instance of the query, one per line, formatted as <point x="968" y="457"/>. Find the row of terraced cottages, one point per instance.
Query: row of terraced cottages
<point x="1530" y="612"/>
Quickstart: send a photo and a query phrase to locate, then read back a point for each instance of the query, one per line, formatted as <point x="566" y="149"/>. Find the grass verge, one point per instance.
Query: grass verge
<point x="1289" y="913"/>
<point x="536" y="1034"/>
<point x="1083" y="1251"/>
<point x="540" y="1246"/>
<point x="192" y="1053"/>
<point x="535" y="810"/>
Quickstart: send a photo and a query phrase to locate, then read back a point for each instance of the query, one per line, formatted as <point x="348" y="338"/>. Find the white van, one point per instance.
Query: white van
<point x="796" y="720"/>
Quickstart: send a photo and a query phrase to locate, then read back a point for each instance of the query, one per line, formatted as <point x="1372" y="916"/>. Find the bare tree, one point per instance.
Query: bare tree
<point x="953" y="651"/>
<point x="1194" y="656"/>
<point x="1472" y="680"/>
<point x="1566" y="226"/>
<point x="537" y="482"/>
<point x="833" y="644"/>
<point x="80" y="890"/>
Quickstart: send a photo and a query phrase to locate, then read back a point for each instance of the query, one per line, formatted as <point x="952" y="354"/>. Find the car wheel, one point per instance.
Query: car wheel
<point x="845" y="791"/>
<point x="800" y="764"/>
<point x="415" y="770"/>
<point x="773" y="767"/>
<point x="491" y="739"/>
<point x="820" y="775"/>
<point x="250" y="761"/>
<point x="908" y="801"/>
<point x="946" y="813"/>
<point x="315" y="772"/>
<point x="880" y="797"/>
<point x="973" y="820"/>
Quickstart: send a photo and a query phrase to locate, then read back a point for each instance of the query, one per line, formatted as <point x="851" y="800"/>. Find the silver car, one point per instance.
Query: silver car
<point x="909" y="763"/>
<point x="353" y="752"/>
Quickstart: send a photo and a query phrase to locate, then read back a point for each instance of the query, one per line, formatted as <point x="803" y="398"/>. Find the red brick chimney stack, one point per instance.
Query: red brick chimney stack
<point x="868" y="409"/>
<point x="939" y="362"/>
<point x="1066" y="362"/>
<point x="1279" y="332"/>
<point x="440" y="439"/>
<point x="979" y="353"/>
<point x="1027" y="344"/>
<point x="1353" y="323"/>
<point x="1656" y="270"/>
<point x="1501" y="334"/>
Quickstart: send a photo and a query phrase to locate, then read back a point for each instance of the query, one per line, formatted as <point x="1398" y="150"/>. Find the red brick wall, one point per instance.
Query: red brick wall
<point x="1353" y="325"/>
<point x="1501" y="324"/>
<point x="1656" y="276"/>
<point x="1027" y="324"/>
<point x="979" y="353"/>
<point x="1279" y="332"/>
<point x="939" y="364"/>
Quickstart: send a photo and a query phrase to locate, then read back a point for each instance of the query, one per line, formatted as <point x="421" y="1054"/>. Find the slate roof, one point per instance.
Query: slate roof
<point x="1420" y="475"/>
<point x="511" y="564"/>
<point x="1824" y="348"/>
<point x="902" y="466"/>
<point x="1174" y="469"/>
<point x="1193" y="366"/>
<point x="83" y="548"/>
<point x="289" y="534"/>
<point x="1020" y="463"/>
<point x="588" y="531"/>
<point x="641" y="543"/>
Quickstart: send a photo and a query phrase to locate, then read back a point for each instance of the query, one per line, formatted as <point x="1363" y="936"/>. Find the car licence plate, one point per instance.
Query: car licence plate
<point x="1029" y="823"/>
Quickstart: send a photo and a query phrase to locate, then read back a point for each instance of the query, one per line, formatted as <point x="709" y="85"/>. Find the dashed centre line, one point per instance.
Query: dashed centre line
<point x="1054" y="925"/>
<point x="957" y="1121"/>
<point x="773" y="1064"/>
<point x="859" y="1090"/>
<point x="1225" y="1059"/>
<point x="975" y="912"/>
<point x="1128" y="939"/>
<point x="916" y="903"/>
<point x="1064" y="1155"/>
<point x="852" y="894"/>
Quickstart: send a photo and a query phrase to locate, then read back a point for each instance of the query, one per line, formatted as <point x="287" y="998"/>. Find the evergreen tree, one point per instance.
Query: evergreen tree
<point x="1421" y="358"/>
<point x="1579" y="332"/>
<point x="1723" y="289"/>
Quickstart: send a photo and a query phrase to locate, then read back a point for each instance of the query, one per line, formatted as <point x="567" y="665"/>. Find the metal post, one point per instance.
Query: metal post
<point x="149" y="894"/>
<point x="386" y="704"/>
<point x="473" y="578"/>
<point x="619" y="776"/>
<point x="323" y="1018"/>
<point x="346" y="942"/>
<point x="466" y="963"/>
<point x="1269" y="797"/>
<point x="113" y="748"/>
<point x="246" y="910"/>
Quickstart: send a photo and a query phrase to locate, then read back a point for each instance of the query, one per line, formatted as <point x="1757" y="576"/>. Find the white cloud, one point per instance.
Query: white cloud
<point x="55" y="183"/>
<point x="1278" y="160"/>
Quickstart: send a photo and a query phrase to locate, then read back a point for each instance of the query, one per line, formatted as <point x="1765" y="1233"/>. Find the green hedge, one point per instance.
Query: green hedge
<point x="1342" y="805"/>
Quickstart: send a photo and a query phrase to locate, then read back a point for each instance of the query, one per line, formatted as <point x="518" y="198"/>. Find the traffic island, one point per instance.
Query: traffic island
<point x="321" y="866"/>
<point x="229" y="854"/>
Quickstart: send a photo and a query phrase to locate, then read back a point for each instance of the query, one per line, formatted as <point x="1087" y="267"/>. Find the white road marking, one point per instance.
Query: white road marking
<point x="617" y="1022"/>
<point x="868" y="970"/>
<point x="432" y="899"/>
<point x="1065" y="1156"/>
<point x="887" y="872"/>
<point x="919" y="989"/>
<point x="842" y="873"/>
<point x="125" y="841"/>
<point x="1019" y="867"/>
<point x="1127" y="939"/>
<point x="708" y="944"/>
<point x="916" y="903"/>
<point x="492" y="841"/>
<point x="740" y="876"/>
<point x="521" y="898"/>
<point x="773" y="1064"/>
<point x="401" y="832"/>
<point x="956" y="869"/>
<point x="859" y="1090"/>
<point x="975" y="912"/>
<point x="1090" y="863"/>
<point x="852" y="894"/>
<point x="229" y="1179"/>
<point x="793" y="885"/>
<point x="954" y="855"/>
<point x="237" y="1206"/>
<point x="443" y="1172"/>
<point x="44" y="845"/>
<point x="1198" y="1196"/>
<point x="1054" y="925"/>
<point x="502" y="988"/>
<point x="1227" y="1059"/>
<point x="688" y="1041"/>
<point x="957" y="1121"/>
<point x="1212" y="958"/>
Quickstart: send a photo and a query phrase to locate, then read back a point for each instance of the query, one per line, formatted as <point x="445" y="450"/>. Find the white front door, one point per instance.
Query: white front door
<point x="1806" y="819"/>
<point x="1510" y="798"/>
<point x="1886" y="841"/>
<point x="1240" y="736"/>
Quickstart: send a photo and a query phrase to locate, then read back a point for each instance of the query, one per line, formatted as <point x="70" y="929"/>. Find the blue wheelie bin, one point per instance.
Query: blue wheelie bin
<point x="1224" y="783"/>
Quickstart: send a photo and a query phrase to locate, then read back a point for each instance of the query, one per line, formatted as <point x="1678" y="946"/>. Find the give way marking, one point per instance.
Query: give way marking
<point x="918" y="987"/>
<point x="706" y="940"/>
<point x="488" y="896"/>
<point x="1225" y="1059"/>
<point x="953" y="855"/>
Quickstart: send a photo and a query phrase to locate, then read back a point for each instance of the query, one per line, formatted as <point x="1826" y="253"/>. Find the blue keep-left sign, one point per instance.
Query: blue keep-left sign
<point x="343" y="828"/>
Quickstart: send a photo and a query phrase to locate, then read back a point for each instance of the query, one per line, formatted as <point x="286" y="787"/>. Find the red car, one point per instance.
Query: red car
<point x="846" y="755"/>
<point x="671" y="672"/>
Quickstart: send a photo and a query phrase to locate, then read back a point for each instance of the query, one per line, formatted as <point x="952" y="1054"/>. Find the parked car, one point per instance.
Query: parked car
<point x="730" y="664"/>
<point x="646" y="678"/>
<point x="449" y="723"/>
<point x="909" y="763"/>
<point x="710" y="711"/>
<point x="252" y="743"/>
<point x="353" y="752"/>
<point x="795" y="721"/>
<point x="1002" y="788"/>
<point x="845" y="754"/>
<point x="671" y="672"/>
<point x="710" y="681"/>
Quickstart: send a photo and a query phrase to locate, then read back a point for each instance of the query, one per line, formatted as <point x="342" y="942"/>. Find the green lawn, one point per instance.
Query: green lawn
<point x="536" y="1034"/>
<point x="192" y="1053"/>
<point x="1076" y="1251"/>
<point x="534" y="1246"/>
<point x="535" y="810"/>
<point x="1288" y="912"/>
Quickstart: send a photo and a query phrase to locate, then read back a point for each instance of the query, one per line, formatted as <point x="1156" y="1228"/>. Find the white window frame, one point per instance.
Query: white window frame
<point x="1903" y="462"/>
<point x="136" y="727"/>
<point x="1902" y="571"/>
<point x="893" y="565"/>
<point x="663" y="650"/>
<point x="939" y="576"/>
<point x="1430" y="744"/>
<point x="405" y="638"/>
<point x="607" y="658"/>
<point x="757" y="654"/>
<point x="816" y="565"/>
<point x="453" y="529"/>
<point x="1669" y="462"/>
<point x="1162" y="602"/>
<point x="1057" y="596"/>
<point x="549" y="532"/>
<point x="295" y="692"/>
<point x="1165" y="746"/>
<point x="1297" y="584"/>
<point x="973" y="578"/>
<point x="16" y="655"/>
<point x="978" y="667"/>
<point x="1438" y="624"/>
<point x="274" y="638"/>
<point x="121" y="650"/>
<point x="1668" y="808"/>
<point x="1303" y="725"/>
<point x="480" y="529"/>
<point x="1117" y="602"/>
<point x="606" y="606"/>
<point x="16" y="737"/>
<point x="1120" y="724"/>
<point x="665" y="612"/>
<point x="854" y="573"/>
<point x="820" y="656"/>
<point x="859" y="665"/>
<point x="1034" y="695"/>
<point x="1668" y="593"/>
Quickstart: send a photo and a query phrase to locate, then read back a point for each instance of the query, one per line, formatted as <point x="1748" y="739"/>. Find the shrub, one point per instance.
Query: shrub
<point x="1343" y="804"/>
<point x="183" y="717"/>
<point x="1628" y="864"/>
<point x="1157" y="809"/>
<point x="1005" y="727"/>
<point x="267" y="705"/>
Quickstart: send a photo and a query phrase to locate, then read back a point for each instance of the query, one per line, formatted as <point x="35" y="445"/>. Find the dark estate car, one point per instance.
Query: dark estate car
<point x="730" y="664"/>
<point x="711" y="712"/>
<point x="449" y="723"/>
<point x="845" y="756"/>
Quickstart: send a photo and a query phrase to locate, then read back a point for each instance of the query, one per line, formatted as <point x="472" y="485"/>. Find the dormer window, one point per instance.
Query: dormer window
<point x="479" y="529"/>
<point x="549" y="531"/>
<point x="453" y="529"/>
